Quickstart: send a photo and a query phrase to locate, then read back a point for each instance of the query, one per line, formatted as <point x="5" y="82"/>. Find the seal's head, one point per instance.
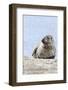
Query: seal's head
<point x="48" y="41"/>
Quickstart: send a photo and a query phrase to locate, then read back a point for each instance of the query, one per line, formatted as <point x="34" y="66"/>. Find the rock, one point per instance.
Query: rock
<point x="42" y="66"/>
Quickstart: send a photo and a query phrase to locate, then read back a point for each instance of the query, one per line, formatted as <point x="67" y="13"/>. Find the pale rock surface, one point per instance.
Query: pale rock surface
<point x="39" y="66"/>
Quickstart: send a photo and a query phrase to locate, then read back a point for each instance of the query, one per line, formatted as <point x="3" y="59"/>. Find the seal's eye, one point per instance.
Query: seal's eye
<point x="47" y="37"/>
<point x="51" y="38"/>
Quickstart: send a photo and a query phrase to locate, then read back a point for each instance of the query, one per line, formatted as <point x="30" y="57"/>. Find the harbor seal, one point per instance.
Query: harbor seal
<point x="46" y="49"/>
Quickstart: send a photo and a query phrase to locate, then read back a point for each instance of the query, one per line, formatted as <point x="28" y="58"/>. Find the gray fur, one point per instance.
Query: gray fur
<point x="46" y="49"/>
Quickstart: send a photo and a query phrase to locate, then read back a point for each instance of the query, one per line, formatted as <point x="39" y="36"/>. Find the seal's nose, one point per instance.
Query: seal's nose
<point x="44" y="40"/>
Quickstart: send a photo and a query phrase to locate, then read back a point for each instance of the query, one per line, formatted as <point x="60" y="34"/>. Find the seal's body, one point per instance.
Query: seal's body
<point x="46" y="49"/>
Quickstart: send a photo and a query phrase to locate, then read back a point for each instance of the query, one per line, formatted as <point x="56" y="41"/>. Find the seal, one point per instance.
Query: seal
<point x="46" y="49"/>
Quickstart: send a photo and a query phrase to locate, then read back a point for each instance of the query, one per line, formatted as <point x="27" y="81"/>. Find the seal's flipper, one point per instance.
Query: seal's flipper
<point x="34" y="52"/>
